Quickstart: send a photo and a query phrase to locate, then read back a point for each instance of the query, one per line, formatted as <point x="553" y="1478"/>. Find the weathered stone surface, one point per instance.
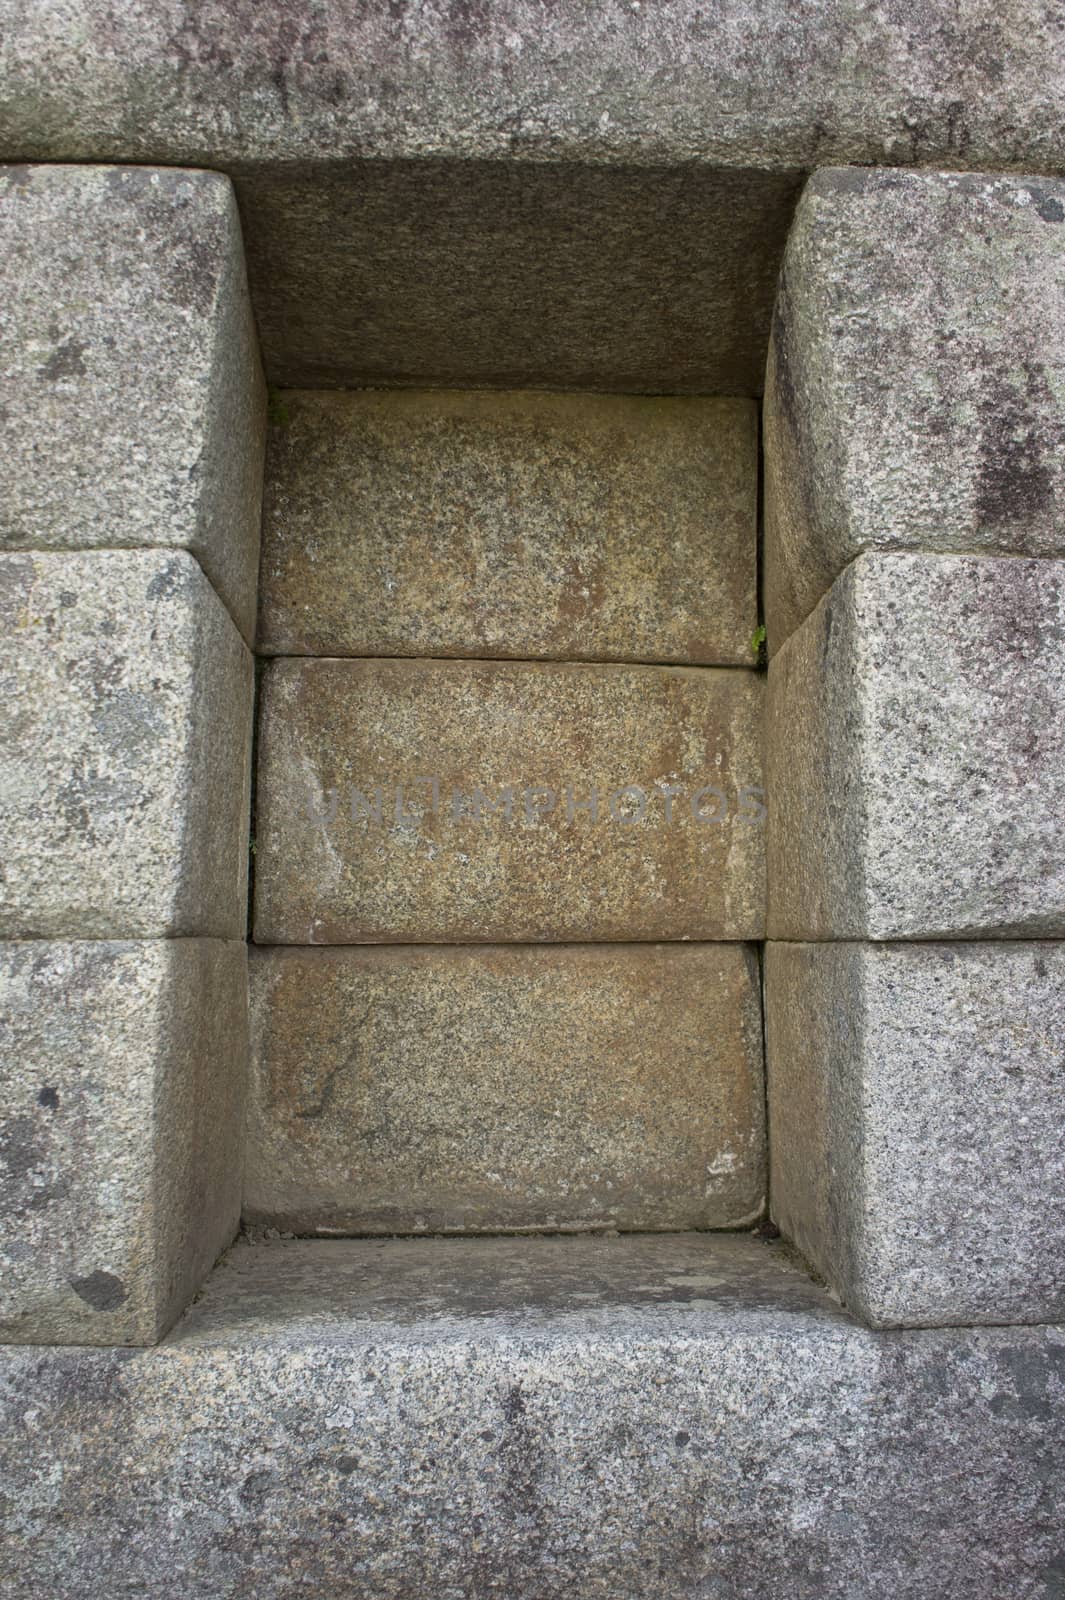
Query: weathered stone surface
<point x="126" y="748"/>
<point x="915" y="1106"/>
<point x="766" y="87"/>
<point x="122" y="1068"/>
<point x="341" y="739"/>
<point x="131" y="394"/>
<point x="915" y="397"/>
<point x="576" y="527"/>
<point x="592" y="196"/>
<point x="481" y="1088"/>
<point x="515" y="275"/>
<point x="916" y="754"/>
<point x="537" y="1418"/>
<point x="598" y="198"/>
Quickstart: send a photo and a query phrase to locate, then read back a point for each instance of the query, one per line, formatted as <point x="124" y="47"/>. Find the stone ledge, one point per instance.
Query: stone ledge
<point x="537" y="1419"/>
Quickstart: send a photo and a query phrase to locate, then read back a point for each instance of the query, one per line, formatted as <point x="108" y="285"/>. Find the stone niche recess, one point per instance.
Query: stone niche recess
<point x="592" y="938"/>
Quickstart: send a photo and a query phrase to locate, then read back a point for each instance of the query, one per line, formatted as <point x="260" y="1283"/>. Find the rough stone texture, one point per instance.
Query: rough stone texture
<point x="915" y="1104"/>
<point x="131" y="393"/>
<point x="916" y="754"/>
<point x="536" y="1418"/>
<point x="126" y="748"/>
<point x="523" y="525"/>
<point x="122" y="1070"/>
<point x="420" y="1089"/>
<point x="768" y="86"/>
<point x="512" y="275"/>
<point x="587" y="195"/>
<point x="328" y="872"/>
<point x="915" y="396"/>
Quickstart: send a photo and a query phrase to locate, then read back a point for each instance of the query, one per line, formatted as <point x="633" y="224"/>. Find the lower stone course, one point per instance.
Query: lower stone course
<point x="623" y="1417"/>
<point x="121" y="1113"/>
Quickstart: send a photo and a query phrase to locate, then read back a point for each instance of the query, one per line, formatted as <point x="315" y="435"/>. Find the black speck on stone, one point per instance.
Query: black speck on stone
<point x="65" y="362"/>
<point x="101" y="1290"/>
<point x="1049" y="209"/>
<point x="346" y="1464"/>
<point x="166" y="583"/>
<point x="513" y="1403"/>
<point x="49" y="1097"/>
<point x="681" y="1438"/>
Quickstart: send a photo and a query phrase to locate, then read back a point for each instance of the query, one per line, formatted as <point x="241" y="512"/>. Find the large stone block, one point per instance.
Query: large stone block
<point x="523" y="525"/>
<point x="916" y="754"/>
<point x="483" y="1088"/>
<point x="914" y="1099"/>
<point x="915" y="397"/>
<point x="378" y="779"/>
<point x="122" y="1068"/>
<point x="542" y="1418"/>
<point x="131" y="394"/>
<point x="126" y="750"/>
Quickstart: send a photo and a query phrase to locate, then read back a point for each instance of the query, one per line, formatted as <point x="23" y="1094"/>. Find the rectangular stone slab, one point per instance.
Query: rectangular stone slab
<point x="534" y="1418"/>
<point x="587" y="527"/>
<point x="122" y="1068"/>
<point x="915" y="390"/>
<point x="131" y="392"/>
<point x="125" y="753"/>
<point x="915" y="743"/>
<point x="339" y="863"/>
<point x="915" y="1106"/>
<point x="481" y="1088"/>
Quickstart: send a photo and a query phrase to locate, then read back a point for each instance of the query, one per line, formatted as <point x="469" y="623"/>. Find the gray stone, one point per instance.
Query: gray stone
<point x="517" y="525"/>
<point x="537" y="1418"/>
<point x="131" y="394"/>
<point x="480" y="1088"/>
<point x="126" y="749"/>
<point x="914" y="1099"/>
<point x="593" y="196"/>
<point x="761" y="87"/>
<point x="122" y="1071"/>
<point x="355" y="844"/>
<point x="915" y="396"/>
<point x="916" y="754"/>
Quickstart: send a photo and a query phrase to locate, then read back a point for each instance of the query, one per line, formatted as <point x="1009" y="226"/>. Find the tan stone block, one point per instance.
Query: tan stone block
<point x="502" y="1087"/>
<point x="370" y="828"/>
<point x="573" y="527"/>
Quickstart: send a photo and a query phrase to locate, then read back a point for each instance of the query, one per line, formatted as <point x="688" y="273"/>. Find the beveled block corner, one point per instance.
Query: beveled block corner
<point x="916" y="754"/>
<point x="131" y="389"/>
<point x="125" y="759"/>
<point x="915" y="1123"/>
<point x="122" y="1077"/>
<point x="915" y="390"/>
